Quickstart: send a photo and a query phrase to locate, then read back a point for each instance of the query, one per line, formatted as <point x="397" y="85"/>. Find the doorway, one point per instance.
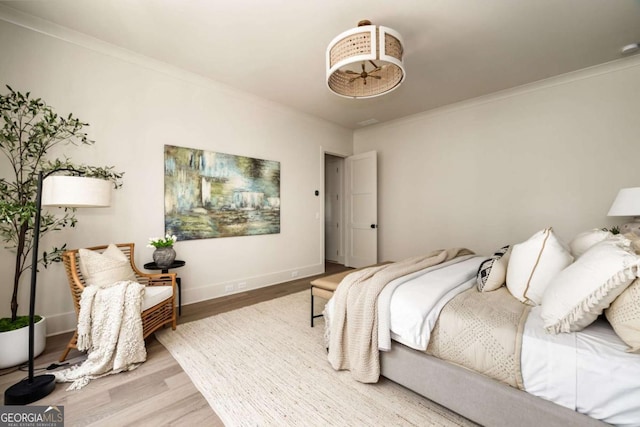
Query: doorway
<point x="333" y="209"/>
<point x="350" y="209"/>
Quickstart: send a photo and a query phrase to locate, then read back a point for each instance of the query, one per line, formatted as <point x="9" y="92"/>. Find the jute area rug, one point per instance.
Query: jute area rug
<point x="263" y="365"/>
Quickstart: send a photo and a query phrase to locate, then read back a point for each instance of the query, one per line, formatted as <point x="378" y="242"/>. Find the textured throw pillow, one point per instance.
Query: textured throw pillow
<point x="492" y="273"/>
<point x="624" y="316"/>
<point x="583" y="241"/>
<point x="635" y="242"/>
<point x="106" y="268"/>
<point x="579" y="294"/>
<point x="534" y="263"/>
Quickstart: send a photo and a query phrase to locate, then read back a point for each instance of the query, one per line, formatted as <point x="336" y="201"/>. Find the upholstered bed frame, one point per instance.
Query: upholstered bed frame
<point x="474" y="396"/>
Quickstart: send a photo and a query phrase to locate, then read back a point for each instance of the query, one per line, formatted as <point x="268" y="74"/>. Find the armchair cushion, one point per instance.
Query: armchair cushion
<point x="106" y="268"/>
<point x="154" y="295"/>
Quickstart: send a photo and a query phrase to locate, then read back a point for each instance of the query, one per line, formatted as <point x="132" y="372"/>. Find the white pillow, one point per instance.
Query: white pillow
<point x="106" y="268"/>
<point x="577" y="296"/>
<point x="534" y="263"/>
<point x="583" y="241"/>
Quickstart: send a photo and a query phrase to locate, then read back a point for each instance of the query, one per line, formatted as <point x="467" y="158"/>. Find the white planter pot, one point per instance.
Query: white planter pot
<point x="14" y="345"/>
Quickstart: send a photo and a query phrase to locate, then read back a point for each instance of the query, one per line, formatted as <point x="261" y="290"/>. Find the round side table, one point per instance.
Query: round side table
<point x="176" y="264"/>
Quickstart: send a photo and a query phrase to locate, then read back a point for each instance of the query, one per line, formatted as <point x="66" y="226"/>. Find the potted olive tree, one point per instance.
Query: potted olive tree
<point x="30" y="129"/>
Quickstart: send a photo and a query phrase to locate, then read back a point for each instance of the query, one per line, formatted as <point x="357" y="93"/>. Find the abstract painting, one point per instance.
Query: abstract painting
<point x="209" y="194"/>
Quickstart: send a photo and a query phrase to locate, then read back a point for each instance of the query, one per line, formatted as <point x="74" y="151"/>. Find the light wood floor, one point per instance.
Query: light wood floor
<point x="159" y="392"/>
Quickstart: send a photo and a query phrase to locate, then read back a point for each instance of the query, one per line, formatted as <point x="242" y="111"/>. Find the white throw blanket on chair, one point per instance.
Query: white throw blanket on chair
<point x="110" y="330"/>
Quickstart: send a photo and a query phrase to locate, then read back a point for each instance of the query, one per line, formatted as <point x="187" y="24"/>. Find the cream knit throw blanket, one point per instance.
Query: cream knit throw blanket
<point x="110" y="330"/>
<point x="353" y="339"/>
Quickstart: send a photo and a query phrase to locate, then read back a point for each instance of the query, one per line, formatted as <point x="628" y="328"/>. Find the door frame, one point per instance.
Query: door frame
<point x="321" y="214"/>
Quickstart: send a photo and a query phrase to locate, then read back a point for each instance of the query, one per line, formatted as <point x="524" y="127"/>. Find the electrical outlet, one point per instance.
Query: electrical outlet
<point x="229" y="287"/>
<point x="294" y="274"/>
<point x="242" y="285"/>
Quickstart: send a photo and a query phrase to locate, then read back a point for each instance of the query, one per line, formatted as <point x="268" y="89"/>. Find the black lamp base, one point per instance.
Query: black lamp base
<point x="26" y="391"/>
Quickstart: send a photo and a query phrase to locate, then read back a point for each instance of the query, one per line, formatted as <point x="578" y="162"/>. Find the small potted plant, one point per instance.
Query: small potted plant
<point x="613" y="230"/>
<point x="164" y="255"/>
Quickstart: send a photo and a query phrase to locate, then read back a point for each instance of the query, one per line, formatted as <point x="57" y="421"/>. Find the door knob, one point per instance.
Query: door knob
<point x="373" y="226"/>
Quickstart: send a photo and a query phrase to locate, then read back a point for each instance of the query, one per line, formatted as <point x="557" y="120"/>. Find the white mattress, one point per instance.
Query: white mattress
<point x="588" y="371"/>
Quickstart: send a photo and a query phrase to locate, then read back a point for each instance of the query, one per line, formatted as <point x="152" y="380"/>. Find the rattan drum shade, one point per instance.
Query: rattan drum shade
<point x="365" y="61"/>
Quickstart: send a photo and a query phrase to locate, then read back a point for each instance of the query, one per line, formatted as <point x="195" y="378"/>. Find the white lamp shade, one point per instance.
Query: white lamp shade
<point x="627" y="203"/>
<point x="76" y="192"/>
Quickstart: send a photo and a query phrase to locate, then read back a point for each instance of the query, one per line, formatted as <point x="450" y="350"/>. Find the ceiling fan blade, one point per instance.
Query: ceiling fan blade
<point x="374" y="64"/>
<point x="351" y="72"/>
<point x="375" y="69"/>
<point x="363" y="68"/>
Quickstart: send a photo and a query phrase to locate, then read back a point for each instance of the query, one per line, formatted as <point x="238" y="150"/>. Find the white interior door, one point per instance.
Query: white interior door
<point x="362" y="210"/>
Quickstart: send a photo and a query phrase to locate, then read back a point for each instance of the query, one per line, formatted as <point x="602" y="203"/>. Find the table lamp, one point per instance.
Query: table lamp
<point x="60" y="191"/>
<point x="627" y="203"/>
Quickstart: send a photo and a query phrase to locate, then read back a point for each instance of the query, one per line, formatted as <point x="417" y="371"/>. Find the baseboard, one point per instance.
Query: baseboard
<point x="61" y="323"/>
<point x="216" y="290"/>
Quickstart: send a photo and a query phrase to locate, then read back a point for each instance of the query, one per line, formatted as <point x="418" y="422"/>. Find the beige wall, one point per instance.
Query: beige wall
<point x="134" y="106"/>
<point x="493" y="171"/>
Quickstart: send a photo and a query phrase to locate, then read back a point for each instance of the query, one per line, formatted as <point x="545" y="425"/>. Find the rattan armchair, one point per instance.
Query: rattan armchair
<point x="153" y="318"/>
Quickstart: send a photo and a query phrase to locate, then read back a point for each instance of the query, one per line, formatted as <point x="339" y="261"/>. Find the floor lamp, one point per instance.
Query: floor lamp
<point x="60" y="191"/>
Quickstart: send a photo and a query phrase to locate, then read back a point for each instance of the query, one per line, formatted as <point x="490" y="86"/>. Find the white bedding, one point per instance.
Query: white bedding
<point x="408" y="307"/>
<point x="587" y="371"/>
<point x="408" y="313"/>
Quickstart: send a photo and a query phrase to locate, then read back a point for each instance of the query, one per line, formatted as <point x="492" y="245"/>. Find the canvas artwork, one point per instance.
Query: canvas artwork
<point x="209" y="194"/>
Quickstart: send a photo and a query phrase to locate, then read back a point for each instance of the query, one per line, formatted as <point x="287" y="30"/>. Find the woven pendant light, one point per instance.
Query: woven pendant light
<point x="365" y="62"/>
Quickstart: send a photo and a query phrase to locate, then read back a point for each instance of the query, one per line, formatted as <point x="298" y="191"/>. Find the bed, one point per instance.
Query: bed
<point x="585" y="377"/>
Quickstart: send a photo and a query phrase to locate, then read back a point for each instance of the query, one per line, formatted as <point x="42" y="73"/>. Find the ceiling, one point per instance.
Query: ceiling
<point x="275" y="49"/>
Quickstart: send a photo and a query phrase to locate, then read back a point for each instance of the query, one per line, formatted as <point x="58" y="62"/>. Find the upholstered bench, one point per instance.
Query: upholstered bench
<point x="324" y="287"/>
